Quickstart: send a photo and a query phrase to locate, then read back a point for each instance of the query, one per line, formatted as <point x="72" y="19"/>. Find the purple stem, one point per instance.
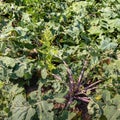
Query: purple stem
<point x="57" y="77"/>
<point x="92" y="88"/>
<point x="80" y="93"/>
<point x="84" y="99"/>
<point x="69" y="102"/>
<point x="93" y="84"/>
<point x="81" y="74"/>
<point x="70" y="76"/>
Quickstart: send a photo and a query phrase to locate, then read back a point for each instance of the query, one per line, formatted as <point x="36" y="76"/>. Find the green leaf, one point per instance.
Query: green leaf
<point x="15" y="90"/>
<point x="9" y="62"/>
<point x="95" y="30"/>
<point x="21" y="110"/>
<point x="116" y="100"/>
<point x="44" y="110"/>
<point x="71" y="115"/>
<point x="44" y="73"/>
<point x="59" y="100"/>
<point x="94" y="110"/>
<point x="106" y="96"/>
<point x="1" y="84"/>
<point x="21" y="70"/>
<point x="112" y="109"/>
<point x="106" y="44"/>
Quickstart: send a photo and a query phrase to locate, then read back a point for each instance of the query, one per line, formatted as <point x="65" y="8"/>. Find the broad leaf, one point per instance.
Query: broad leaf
<point x="21" y="110"/>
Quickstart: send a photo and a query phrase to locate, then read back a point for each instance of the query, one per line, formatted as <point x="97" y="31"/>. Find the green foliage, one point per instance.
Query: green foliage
<point x="57" y="55"/>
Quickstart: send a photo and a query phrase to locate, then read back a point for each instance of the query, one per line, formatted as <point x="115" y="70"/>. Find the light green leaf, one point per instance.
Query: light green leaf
<point x="106" y="96"/>
<point x="9" y="62"/>
<point x="59" y="100"/>
<point x="94" y="110"/>
<point x="1" y="84"/>
<point x="106" y="44"/>
<point x="111" y="112"/>
<point x="112" y="109"/>
<point x="15" y="90"/>
<point x="95" y="30"/>
<point x="44" y="73"/>
<point x="44" y="110"/>
<point x="20" y="109"/>
<point x="71" y="115"/>
<point x="116" y="100"/>
<point x="21" y="70"/>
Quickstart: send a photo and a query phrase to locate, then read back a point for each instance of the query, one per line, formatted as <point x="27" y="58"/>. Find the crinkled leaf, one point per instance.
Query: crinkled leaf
<point x="106" y="44"/>
<point x="44" y="110"/>
<point x="21" y="110"/>
<point x="9" y="62"/>
<point x="21" y="70"/>
<point x="94" y="110"/>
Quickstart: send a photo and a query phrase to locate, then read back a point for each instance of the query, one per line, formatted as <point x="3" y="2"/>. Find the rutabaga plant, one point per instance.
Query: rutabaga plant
<point x="77" y="90"/>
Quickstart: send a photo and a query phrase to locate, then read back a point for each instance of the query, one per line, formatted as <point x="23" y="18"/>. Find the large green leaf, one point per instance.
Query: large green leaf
<point x="94" y="110"/>
<point x="106" y="44"/>
<point x="21" y="110"/>
<point x="44" y="110"/>
<point x="112" y="111"/>
<point x="9" y="62"/>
